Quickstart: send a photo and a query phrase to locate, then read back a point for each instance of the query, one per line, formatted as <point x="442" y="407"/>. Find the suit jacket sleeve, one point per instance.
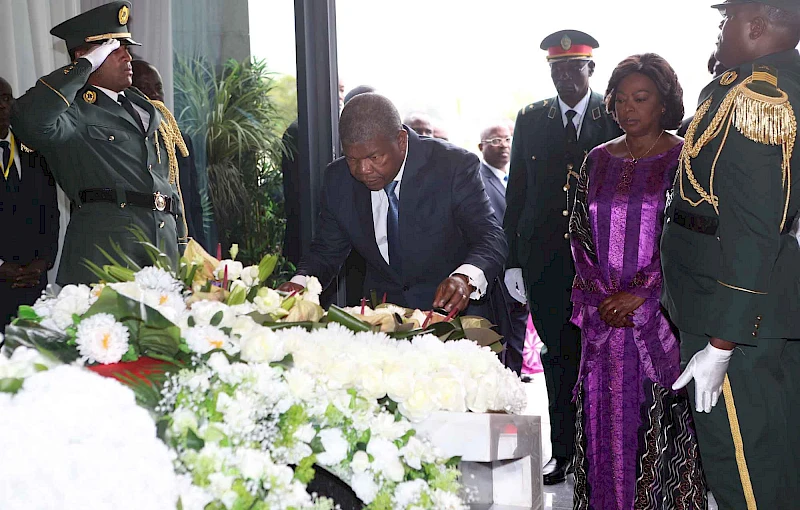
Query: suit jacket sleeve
<point x="515" y="193"/>
<point x="45" y="116"/>
<point x="488" y="248"/>
<point x="751" y="201"/>
<point x="331" y="243"/>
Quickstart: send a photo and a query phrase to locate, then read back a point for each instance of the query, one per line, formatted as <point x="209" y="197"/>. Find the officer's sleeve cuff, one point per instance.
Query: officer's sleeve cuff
<point x="299" y="279"/>
<point x="740" y="313"/>
<point x="476" y="278"/>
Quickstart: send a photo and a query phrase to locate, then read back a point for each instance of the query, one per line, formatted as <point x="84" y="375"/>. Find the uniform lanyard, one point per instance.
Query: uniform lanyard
<point x="11" y="147"/>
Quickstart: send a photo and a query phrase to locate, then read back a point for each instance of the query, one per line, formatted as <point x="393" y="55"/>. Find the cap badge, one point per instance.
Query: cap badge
<point x="124" y="12"/>
<point x="566" y="43"/>
<point x="89" y="96"/>
<point x="728" y="78"/>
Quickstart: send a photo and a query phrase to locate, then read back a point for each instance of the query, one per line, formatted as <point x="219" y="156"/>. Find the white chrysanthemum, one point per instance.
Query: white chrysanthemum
<point x="262" y="345"/>
<point x="409" y="493"/>
<point x="102" y="458"/>
<point x="168" y="303"/>
<point x="102" y="339"/>
<point x="154" y="278"/>
<point x="203" y="339"/>
<point x="414" y="452"/>
<point x="234" y="270"/>
<point x="387" y="458"/>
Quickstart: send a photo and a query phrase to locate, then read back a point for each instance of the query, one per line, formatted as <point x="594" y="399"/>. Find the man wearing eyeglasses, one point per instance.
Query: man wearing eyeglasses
<point x="510" y="316"/>
<point x="551" y="140"/>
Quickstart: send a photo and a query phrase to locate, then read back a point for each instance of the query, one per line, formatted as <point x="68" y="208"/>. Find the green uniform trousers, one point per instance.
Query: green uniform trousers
<point x="761" y="412"/>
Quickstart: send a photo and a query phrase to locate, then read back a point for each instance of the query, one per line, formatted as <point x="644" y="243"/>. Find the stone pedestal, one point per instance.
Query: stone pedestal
<point x="500" y="455"/>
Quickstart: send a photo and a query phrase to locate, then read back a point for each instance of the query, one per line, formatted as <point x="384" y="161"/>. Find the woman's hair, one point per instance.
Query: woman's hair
<point x="665" y="79"/>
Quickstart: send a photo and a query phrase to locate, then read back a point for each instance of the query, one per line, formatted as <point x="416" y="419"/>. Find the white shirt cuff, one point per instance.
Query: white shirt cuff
<point x="299" y="279"/>
<point x="476" y="278"/>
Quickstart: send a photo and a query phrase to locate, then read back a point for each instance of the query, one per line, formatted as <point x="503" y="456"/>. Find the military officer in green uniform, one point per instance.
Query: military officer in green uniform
<point x="111" y="150"/>
<point x="551" y="140"/>
<point x="732" y="263"/>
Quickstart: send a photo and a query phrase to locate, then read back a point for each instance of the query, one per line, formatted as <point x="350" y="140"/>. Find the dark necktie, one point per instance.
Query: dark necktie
<point x="6" y="158"/>
<point x="572" y="138"/>
<point x="128" y="106"/>
<point x="393" y="227"/>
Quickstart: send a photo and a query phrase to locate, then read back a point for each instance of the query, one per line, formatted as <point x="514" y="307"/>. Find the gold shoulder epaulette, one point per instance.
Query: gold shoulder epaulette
<point x="762" y="112"/>
<point x="538" y="105"/>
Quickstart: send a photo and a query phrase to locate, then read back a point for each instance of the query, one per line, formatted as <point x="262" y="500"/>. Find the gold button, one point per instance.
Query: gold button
<point x="755" y="325"/>
<point x="755" y="334"/>
<point x="758" y="317"/>
<point x="564" y="213"/>
<point x="566" y="187"/>
<point x="111" y="138"/>
<point x="566" y="236"/>
<point x="161" y="225"/>
<point x="569" y="166"/>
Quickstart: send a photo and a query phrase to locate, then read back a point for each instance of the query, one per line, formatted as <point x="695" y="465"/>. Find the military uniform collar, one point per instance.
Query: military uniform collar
<point x="114" y="96"/>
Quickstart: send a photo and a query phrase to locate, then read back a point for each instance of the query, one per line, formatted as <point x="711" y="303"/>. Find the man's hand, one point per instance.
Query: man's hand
<point x="100" y="52"/>
<point x="453" y="292"/>
<point x="30" y="275"/>
<point x="707" y="368"/>
<point x="9" y="272"/>
<point x="617" y="309"/>
<point x="291" y="287"/>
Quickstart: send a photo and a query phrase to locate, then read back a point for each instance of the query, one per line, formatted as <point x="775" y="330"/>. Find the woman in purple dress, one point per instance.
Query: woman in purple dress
<point x="636" y="445"/>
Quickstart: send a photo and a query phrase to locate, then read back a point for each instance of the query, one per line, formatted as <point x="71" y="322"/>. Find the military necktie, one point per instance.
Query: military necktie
<point x="393" y="227"/>
<point x="7" y="168"/>
<point x="128" y="106"/>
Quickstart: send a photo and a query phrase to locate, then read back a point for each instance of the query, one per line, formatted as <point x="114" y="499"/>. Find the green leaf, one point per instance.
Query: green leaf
<point x="190" y="321"/>
<point x="444" y="330"/>
<point x="236" y="297"/>
<point x="217" y="318"/>
<point x="193" y="441"/>
<point x="473" y="321"/>
<point x="483" y="336"/>
<point x="49" y="342"/>
<point x="26" y="312"/>
<point x="11" y="384"/>
<point x="159" y="341"/>
<point x="131" y="354"/>
<point x="266" y="267"/>
<point x="336" y="314"/>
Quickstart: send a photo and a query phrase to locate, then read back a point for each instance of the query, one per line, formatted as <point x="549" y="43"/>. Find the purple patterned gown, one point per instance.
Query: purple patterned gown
<point x="635" y="443"/>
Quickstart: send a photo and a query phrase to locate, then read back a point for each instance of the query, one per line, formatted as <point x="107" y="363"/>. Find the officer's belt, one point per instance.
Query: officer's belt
<point x="708" y="224"/>
<point x="152" y="201"/>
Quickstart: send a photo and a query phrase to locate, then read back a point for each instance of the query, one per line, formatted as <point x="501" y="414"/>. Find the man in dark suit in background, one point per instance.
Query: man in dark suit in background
<point x="147" y="79"/>
<point x="510" y="315"/>
<point x="552" y="137"/>
<point x="415" y="209"/>
<point x="28" y="218"/>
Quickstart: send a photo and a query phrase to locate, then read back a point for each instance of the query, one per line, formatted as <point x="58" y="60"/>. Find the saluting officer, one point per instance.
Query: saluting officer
<point x="110" y="149"/>
<point x="551" y="139"/>
<point x="732" y="262"/>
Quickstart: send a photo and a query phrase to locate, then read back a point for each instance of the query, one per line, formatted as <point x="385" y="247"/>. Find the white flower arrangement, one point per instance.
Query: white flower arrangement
<point x="62" y="453"/>
<point x="101" y="339"/>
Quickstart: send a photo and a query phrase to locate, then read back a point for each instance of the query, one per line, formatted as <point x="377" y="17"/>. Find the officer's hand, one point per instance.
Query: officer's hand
<point x="453" y="292"/>
<point x="291" y="287"/>
<point x="100" y="52"/>
<point x="616" y="311"/>
<point x="707" y="368"/>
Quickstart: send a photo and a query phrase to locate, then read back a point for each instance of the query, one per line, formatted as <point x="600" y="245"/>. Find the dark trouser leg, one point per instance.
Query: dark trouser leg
<point x="561" y="365"/>
<point x="765" y="394"/>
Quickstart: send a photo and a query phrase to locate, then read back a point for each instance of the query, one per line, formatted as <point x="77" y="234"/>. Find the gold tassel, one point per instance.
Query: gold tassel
<point x="764" y="119"/>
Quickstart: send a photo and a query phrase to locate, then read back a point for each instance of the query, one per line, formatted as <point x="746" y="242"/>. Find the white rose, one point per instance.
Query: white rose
<point x="301" y="384"/>
<point x="365" y="487"/>
<point x="419" y="405"/>
<point x="413" y="452"/>
<point x="250" y="276"/>
<point x="262" y="345"/>
<point x="313" y="289"/>
<point x="268" y="302"/>
<point x="370" y="381"/>
<point x="243" y="325"/>
<point x="399" y="381"/>
<point x="360" y="462"/>
<point x="387" y="459"/>
<point x="385" y="426"/>
<point x="234" y="269"/>
<point x="448" y="391"/>
<point x="335" y="445"/>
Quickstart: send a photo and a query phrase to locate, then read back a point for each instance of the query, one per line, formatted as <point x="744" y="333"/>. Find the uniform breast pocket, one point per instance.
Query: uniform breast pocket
<point x="107" y="134"/>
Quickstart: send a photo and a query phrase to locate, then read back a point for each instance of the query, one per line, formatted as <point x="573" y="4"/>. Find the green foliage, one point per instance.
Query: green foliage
<point x="239" y="112"/>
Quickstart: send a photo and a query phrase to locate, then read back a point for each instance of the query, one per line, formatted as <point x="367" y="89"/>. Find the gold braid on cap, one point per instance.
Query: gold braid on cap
<point x="171" y="134"/>
<point x="762" y="119"/>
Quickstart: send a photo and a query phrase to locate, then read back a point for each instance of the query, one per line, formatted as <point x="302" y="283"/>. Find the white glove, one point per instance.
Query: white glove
<point x="707" y="368"/>
<point x="515" y="284"/>
<point x="100" y="53"/>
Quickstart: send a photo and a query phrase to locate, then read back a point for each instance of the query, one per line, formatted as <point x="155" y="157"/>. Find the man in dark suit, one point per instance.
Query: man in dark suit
<point x="415" y="209"/>
<point x="510" y="315"/>
<point x="551" y="140"/>
<point x="105" y="146"/>
<point x="28" y="218"/>
<point x="148" y="80"/>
